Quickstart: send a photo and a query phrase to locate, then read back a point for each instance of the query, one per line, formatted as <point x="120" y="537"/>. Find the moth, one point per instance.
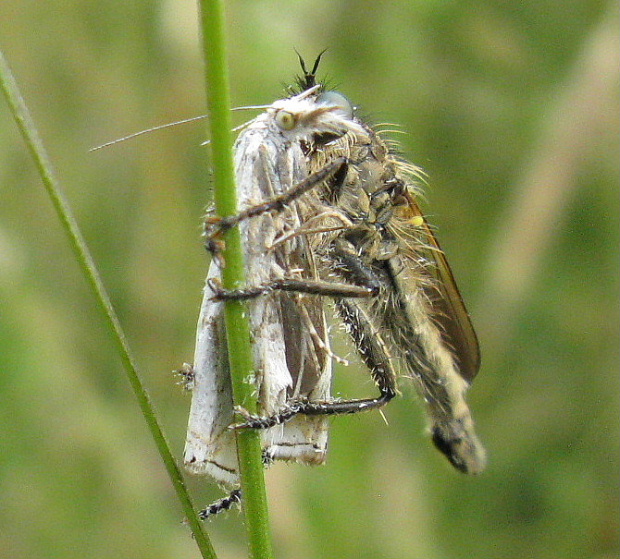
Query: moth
<point x="329" y="211"/>
<point x="289" y="329"/>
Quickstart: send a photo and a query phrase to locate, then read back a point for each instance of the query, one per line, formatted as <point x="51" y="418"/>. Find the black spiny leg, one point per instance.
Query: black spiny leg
<point x="311" y="287"/>
<point x="371" y="346"/>
<point x="220" y="505"/>
<point x="216" y="227"/>
<point x="305" y="407"/>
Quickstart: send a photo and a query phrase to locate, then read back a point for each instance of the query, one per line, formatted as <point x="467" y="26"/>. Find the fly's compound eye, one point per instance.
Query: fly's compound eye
<point x="285" y="120"/>
<point x="338" y="100"/>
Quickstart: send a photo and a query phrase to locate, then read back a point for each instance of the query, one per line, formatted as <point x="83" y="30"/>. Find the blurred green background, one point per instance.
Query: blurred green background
<point x="512" y="110"/>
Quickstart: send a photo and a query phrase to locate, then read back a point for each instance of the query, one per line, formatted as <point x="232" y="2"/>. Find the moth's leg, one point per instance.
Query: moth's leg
<point x="221" y="505"/>
<point x="186" y="376"/>
<point x="215" y="227"/>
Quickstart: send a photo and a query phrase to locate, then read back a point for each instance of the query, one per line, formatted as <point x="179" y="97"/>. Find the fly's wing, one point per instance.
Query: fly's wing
<point x="448" y="307"/>
<point x="436" y="341"/>
<point x="210" y="447"/>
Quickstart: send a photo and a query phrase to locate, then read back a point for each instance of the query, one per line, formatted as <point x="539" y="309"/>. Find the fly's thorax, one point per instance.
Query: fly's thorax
<point x="374" y="183"/>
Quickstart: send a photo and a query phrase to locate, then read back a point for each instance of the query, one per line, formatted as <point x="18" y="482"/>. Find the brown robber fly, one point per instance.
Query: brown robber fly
<point x="329" y="210"/>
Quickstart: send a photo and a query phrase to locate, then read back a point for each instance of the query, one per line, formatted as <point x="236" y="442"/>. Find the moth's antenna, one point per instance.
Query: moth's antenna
<point x="235" y="129"/>
<point x="171" y="124"/>
<point x="154" y="129"/>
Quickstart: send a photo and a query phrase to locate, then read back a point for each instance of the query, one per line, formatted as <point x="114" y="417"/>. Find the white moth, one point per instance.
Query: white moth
<point x="289" y="330"/>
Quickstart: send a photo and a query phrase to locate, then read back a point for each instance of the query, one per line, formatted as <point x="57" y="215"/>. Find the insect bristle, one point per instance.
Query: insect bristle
<point x="308" y="78"/>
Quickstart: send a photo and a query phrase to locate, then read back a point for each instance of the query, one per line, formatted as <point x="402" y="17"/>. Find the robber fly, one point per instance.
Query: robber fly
<point x="330" y="210"/>
<point x="415" y="323"/>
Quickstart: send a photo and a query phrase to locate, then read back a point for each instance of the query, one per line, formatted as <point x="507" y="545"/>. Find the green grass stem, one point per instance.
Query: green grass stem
<point x="87" y="265"/>
<point x="237" y="326"/>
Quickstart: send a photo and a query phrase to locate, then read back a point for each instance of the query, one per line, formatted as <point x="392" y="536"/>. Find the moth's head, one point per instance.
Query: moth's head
<point x="314" y="114"/>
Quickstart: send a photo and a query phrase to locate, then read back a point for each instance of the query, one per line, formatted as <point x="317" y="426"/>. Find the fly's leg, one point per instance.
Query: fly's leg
<point x="361" y="280"/>
<point x="362" y="283"/>
<point x="370" y="344"/>
<point x="311" y="287"/>
<point x="216" y="227"/>
<point x="375" y="355"/>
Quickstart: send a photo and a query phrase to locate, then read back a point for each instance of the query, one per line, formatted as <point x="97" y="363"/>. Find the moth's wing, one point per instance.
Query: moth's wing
<point x="303" y="317"/>
<point x="447" y="303"/>
<point x="257" y="182"/>
<point x="288" y="361"/>
<point x="306" y="343"/>
<point x="210" y="447"/>
<point x="303" y="438"/>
